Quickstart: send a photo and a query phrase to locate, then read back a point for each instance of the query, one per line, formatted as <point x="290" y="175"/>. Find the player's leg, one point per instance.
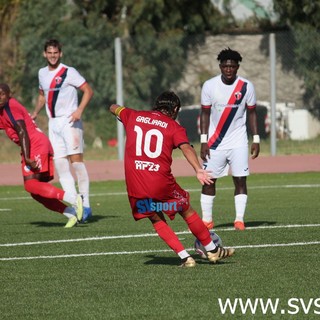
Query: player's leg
<point x="199" y="230"/>
<point x="49" y="192"/>
<point x="75" y="145"/>
<point x="240" y="201"/>
<point x="162" y="229"/>
<point x="240" y="170"/>
<point x="57" y="128"/>
<point x="217" y="164"/>
<point x="171" y="239"/>
<point x="64" y="174"/>
<point x="36" y="182"/>
<point x="207" y="197"/>
<point x="83" y="183"/>
<point x="51" y="204"/>
<point x="58" y="206"/>
<point x="181" y="204"/>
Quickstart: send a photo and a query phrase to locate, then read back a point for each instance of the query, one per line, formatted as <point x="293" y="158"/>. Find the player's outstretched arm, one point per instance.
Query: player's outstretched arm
<point x="190" y="154"/>
<point x="41" y="101"/>
<point x="113" y="108"/>
<point x="255" y="147"/>
<point x="86" y="97"/>
<point x="24" y="139"/>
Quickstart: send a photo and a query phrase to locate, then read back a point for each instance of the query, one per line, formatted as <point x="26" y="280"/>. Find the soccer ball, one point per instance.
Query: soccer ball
<point x="201" y="251"/>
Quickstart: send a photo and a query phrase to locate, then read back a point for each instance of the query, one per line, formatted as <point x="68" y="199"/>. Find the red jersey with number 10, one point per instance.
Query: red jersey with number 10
<point x="151" y="138"/>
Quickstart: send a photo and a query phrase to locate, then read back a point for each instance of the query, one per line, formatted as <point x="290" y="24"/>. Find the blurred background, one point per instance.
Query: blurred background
<point x="169" y="45"/>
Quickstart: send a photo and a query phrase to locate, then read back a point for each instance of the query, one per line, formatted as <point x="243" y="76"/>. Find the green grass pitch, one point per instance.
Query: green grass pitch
<point x="116" y="268"/>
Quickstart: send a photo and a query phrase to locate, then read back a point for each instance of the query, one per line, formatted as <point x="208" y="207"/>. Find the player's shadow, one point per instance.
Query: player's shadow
<point x="156" y="260"/>
<point x="93" y="219"/>
<point x="248" y="224"/>
<point x="175" y="261"/>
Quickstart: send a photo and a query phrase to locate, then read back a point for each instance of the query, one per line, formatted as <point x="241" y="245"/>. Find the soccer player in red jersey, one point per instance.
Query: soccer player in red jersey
<point x="152" y="189"/>
<point x="36" y="158"/>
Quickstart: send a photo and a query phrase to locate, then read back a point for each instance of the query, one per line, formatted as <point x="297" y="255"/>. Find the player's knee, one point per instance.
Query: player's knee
<point x="209" y="189"/>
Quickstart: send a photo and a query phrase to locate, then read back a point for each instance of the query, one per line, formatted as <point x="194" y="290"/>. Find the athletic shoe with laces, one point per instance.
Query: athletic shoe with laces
<point x="239" y="225"/>
<point x="79" y="207"/>
<point x="219" y="253"/>
<point x="188" y="263"/>
<point x="71" y="222"/>
<point x="209" y="225"/>
<point x="87" y="214"/>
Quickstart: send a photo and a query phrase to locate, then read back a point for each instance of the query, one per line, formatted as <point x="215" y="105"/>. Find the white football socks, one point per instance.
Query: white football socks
<point x="65" y="177"/>
<point x="83" y="181"/>
<point x="70" y="198"/>
<point x="211" y="246"/>
<point x="183" y="254"/>
<point x="206" y="207"/>
<point x="240" y="202"/>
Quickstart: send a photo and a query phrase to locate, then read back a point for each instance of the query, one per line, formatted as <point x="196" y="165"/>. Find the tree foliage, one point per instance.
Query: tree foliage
<point x="151" y="31"/>
<point x="303" y="17"/>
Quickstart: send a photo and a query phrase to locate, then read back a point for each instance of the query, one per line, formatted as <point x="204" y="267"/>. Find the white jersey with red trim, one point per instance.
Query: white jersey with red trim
<point x="60" y="89"/>
<point x="228" y="103"/>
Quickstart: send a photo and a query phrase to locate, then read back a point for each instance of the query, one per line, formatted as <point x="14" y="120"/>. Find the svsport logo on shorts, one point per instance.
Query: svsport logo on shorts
<point x="148" y="205"/>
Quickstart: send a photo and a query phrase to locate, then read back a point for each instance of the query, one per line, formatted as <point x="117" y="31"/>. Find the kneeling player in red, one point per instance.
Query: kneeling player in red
<point x="36" y="158"/>
<point x="152" y="189"/>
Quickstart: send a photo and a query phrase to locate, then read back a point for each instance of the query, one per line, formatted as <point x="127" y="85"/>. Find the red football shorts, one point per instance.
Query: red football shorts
<point x="144" y="208"/>
<point x="45" y="164"/>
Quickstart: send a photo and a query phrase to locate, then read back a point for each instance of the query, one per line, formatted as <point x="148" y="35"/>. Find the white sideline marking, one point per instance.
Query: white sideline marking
<point x="145" y="235"/>
<point x="154" y="251"/>
<point x="5" y="209"/>
<point x="148" y="251"/>
<point x="288" y="186"/>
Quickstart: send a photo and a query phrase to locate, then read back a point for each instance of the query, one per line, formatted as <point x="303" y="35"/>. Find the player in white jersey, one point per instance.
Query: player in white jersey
<point x="225" y="100"/>
<point x="58" y="85"/>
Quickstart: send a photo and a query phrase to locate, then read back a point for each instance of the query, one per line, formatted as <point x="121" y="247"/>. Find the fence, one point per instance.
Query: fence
<point x="199" y="64"/>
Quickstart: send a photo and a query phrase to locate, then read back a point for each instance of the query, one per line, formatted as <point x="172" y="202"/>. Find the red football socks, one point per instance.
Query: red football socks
<point x="168" y="236"/>
<point x="51" y="204"/>
<point x="43" y="189"/>
<point x="198" y="229"/>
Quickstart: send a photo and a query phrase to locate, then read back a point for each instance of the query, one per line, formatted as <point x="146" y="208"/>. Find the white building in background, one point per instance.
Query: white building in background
<point x="245" y="9"/>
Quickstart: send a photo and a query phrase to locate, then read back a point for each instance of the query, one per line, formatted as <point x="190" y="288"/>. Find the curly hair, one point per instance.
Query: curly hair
<point x="229" y="54"/>
<point x="52" y="43"/>
<point x="167" y="102"/>
<point x="5" y="88"/>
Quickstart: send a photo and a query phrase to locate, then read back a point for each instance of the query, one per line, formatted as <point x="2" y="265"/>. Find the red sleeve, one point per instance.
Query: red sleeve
<point x="180" y="136"/>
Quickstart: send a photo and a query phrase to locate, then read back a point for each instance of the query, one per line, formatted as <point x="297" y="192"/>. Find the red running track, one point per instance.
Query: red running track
<point x="113" y="169"/>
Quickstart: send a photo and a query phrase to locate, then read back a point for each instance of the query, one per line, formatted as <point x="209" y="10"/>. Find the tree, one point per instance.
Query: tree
<point x="303" y="17"/>
<point x="156" y="37"/>
<point x="8" y="48"/>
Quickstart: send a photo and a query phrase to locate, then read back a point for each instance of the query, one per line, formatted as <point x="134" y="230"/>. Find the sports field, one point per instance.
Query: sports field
<point x="115" y="268"/>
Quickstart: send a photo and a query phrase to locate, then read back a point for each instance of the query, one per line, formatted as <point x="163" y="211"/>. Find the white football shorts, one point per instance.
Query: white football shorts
<point x="223" y="161"/>
<point x="66" y="138"/>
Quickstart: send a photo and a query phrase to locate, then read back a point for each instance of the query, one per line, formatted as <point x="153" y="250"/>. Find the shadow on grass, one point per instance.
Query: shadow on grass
<point x="93" y="219"/>
<point x="175" y="261"/>
<point x="248" y="224"/>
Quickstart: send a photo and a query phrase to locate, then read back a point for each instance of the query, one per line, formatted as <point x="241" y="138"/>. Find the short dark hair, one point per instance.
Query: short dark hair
<point x="229" y="54"/>
<point x="52" y="43"/>
<point x="166" y="102"/>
